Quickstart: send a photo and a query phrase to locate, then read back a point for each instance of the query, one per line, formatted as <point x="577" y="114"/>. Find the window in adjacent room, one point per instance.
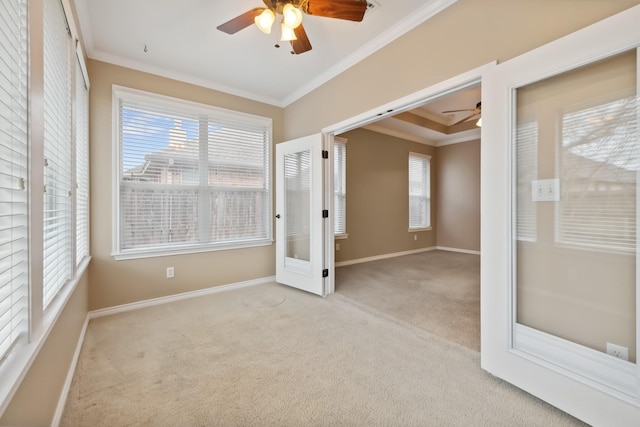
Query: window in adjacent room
<point x="191" y="177"/>
<point x="340" y="187"/>
<point x="419" y="192"/>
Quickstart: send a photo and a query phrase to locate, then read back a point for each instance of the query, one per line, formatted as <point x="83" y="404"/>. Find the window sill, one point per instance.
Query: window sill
<point x="185" y="250"/>
<point x="414" y="230"/>
<point x="340" y="236"/>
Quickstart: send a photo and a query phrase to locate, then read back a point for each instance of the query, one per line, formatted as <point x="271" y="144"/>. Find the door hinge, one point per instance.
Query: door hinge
<point x="325" y="154"/>
<point x="325" y="272"/>
<point x="325" y="213"/>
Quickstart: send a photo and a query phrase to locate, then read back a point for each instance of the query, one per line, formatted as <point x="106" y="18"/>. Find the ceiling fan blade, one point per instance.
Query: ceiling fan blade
<point x="466" y="118"/>
<point x="302" y="44"/>
<point x="240" y="22"/>
<point x="351" y="10"/>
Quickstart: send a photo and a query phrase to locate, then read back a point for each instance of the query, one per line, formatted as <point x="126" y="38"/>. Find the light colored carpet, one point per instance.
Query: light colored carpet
<point x="274" y="356"/>
<point x="436" y="291"/>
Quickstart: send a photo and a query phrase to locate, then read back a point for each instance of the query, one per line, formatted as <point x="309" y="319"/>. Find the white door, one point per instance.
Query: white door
<point x="560" y="197"/>
<point x="299" y="214"/>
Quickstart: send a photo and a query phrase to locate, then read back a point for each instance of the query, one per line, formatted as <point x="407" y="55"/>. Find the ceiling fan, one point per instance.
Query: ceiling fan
<point x="475" y="112"/>
<point x="291" y="11"/>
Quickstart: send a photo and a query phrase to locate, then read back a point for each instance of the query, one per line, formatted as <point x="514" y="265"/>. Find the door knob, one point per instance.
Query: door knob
<point x="278" y="216"/>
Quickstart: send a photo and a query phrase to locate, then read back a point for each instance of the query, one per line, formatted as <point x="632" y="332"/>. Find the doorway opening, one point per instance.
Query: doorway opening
<point x="427" y="276"/>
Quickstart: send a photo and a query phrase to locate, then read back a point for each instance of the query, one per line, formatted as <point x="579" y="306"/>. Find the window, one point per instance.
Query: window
<point x="419" y="191"/>
<point x="598" y="173"/>
<point x="340" y="187"/>
<point x="57" y="150"/>
<point x="43" y="179"/>
<point x="14" y="258"/>
<point x="190" y="177"/>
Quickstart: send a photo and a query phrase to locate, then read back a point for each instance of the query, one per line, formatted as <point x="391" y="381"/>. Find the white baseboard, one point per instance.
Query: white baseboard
<point x="462" y="251"/>
<point x="178" y="297"/>
<point x="385" y="256"/>
<point x="62" y="401"/>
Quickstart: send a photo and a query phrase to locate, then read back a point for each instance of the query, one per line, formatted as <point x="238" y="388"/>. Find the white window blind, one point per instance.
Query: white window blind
<point x="82" y="165"/>
<point x="339" y="187"/>
<point x="599" y="160"/>
<point x="419" y="191"/>
<point x="526" y="172"/>
<point x="57" y="150"/>
<point x="191" y="176"/>
<point x="13" y="173"/>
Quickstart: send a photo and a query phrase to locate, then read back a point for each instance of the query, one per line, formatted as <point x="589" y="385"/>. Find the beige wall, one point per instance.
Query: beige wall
<point x="120" y="282"/>
<point x="469" y="34"/>
<point x="36" y="400"/>
<point x="377" y="201"/>
<point x="458" y="189"/>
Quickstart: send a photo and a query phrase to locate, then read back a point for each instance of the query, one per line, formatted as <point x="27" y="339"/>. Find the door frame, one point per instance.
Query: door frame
<point x="467" y="79"/>
<point x="570" y="391"/>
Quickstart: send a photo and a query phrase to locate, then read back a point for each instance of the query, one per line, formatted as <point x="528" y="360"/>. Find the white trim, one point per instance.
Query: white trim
<point x="475" y="136"/>
<point x="574" y="394"/>
<point x="64" y="394"/>
<point x="187" y="249"/>
<point x="17" y="364"/>
<point x="409" y="102"/>
<point x="178" y="297"/>
<point x="420" y="15"/>
<point x="179" y="76"/>
<point x="120" y="93"/>
<point x="385" y="256"/>
<point x="454" y="84"/>
<point x="462" y="251"/>
<point x="598" y="369"/>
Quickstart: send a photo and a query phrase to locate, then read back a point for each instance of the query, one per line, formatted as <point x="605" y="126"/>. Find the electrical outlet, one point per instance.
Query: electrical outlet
<point x="618" y="351"/>
<point x="337" y="246"/>
<point x="170" y="272"/>
<point x="415" y="237"/>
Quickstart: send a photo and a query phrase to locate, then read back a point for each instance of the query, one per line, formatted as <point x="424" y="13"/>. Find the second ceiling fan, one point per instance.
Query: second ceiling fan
<point x="475" y="112"/>
<point x="291" y="12"/>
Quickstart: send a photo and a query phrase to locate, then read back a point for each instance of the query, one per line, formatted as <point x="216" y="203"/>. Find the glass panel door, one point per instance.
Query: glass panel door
<point x="560" y="161"/>
<point x="577" y="160"/>
<point x="299" y="218"/>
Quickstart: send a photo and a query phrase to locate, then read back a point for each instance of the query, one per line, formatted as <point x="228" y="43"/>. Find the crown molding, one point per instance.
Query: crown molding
<point x="430" y="9"/>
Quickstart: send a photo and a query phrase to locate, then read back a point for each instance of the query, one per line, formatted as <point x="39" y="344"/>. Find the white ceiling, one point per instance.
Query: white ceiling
<point x="179" y="40"/>
<point x="183" y="43"/>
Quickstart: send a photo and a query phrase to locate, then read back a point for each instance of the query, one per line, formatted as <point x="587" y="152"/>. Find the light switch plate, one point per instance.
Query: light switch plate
<point x="545" y="190"/>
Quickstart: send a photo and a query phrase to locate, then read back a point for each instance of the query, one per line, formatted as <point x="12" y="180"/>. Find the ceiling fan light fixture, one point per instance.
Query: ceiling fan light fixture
<point x="291" y="15"/>
<point x="265" y="20"/>
<point x="287" y="33"/>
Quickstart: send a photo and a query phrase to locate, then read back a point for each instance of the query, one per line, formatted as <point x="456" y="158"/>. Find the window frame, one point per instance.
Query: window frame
<point x="184" y="106"/>
<point x="426" y="189"/>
